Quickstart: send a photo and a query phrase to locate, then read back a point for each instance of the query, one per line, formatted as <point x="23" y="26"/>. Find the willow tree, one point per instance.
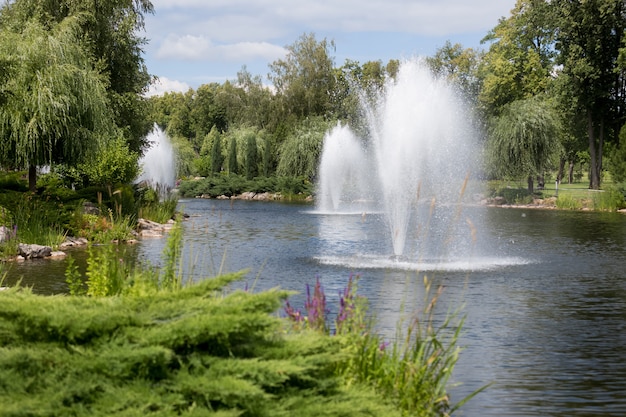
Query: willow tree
<point x="112" y="30"/>
<point x="55" y="103"/>
<point x="523" y="138"/>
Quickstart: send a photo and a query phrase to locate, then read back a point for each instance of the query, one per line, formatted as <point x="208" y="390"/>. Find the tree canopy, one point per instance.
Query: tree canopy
<point x="109" y="31"/>
<point x="56" y="108"/>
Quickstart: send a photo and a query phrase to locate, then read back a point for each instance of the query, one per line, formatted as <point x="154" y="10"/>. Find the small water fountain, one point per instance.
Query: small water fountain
<point x="158" y="162"/>
<point x="416" y="157"/>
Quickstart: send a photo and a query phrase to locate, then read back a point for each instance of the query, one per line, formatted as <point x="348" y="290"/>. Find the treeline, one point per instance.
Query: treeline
<point x="248" y="128"/>
<point x="548" y="85"/>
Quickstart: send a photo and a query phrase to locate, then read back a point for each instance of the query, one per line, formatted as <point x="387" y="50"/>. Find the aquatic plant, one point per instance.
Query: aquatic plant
<point x="413" y="370"/>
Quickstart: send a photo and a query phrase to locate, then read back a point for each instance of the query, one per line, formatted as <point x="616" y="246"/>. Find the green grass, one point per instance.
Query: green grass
<point x="574" y="196"/>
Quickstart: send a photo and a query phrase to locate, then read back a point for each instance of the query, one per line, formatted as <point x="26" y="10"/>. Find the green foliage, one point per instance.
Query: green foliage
<point x="171" y="276"/>
<point x="185" y="155"/>
<point x="215" y="186"/>
<point x="293" y="186"/>
<point x="233" y="164"/>
<point x="110" y="35"/>
<point x="154" y="207"/>
<point x="520" y="59"/>
<point x="252" y="164"/>
<point x="217" y="158"/>
<point x="568" y="202"/>
<point x="513" y="195"/>
<point x="114" y="163"/>
<point x="458" y="65"/>
<point x="73" y="278"/>
<point x="304" y="79"/>
<point x="617" y="158"/>
<point x="37" y="221"/>
<point x="523" y="138"/>
<point x="57" y="106"/>
<point x="186" y="352"/>
<point x="610" y="199"/>
<point x="231" y="185"/>
<point x="412" y="371"/>
<point x="300" y="152"/>
<point x="105" y="272"/>
<point x="13" y="181"/>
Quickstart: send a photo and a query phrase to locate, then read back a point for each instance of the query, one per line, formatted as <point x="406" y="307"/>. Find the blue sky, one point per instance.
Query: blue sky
<point x="194" y="42"/>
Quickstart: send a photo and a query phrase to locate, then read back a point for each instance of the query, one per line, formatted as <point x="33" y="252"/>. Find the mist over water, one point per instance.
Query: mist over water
<point x="158" y="162"/>
<point x="416" y="158"/>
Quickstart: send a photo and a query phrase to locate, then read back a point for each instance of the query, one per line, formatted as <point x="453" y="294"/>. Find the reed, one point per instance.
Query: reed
<point x="412" y="371"/>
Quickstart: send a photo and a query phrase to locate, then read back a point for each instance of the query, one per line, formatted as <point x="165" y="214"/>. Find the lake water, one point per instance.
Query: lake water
<point x="543" y="292"/>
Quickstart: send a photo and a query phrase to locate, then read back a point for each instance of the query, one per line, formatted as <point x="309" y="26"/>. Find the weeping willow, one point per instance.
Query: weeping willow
<point x="524" y="138"/>
<point x="55" y="105"/>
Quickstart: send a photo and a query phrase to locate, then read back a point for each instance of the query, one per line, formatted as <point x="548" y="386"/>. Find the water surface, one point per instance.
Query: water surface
<point x="544" y="292"/>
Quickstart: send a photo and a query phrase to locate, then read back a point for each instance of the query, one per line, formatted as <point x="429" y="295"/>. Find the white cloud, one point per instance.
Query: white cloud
<point x="238" y="20"/>
<point x="195" y="48"/>
<point x="164" y="85"/>
<point x="213" y="39"/>
<point x="188" y="47"/>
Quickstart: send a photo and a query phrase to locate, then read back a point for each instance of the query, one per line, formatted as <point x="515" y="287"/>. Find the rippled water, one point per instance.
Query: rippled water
<point x="544" y="292"/>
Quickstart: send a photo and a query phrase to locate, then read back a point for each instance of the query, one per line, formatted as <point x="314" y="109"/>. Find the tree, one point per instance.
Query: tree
<point x="304" y="78"/>
<point x="589" y="41"/>
<point x="252" y="163"/>
<point x="56" y="107"/>
<point x="458" y="65"/>
<point x="233" y="165"/>
<point x="113" y="164"/>
<point x="300" y="152"/>
<point x="523" y="138"/>
<point x="520" y="59"/>
<point x="205" y="113"/>
<point x="111" y="33"/>
<point x="214" y="139"/>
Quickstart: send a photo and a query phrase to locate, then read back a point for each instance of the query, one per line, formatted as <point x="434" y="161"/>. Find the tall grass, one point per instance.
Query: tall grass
<point x="568" y="202"/>
<point x="412" y="371"/>
<point x="611" y="199"/>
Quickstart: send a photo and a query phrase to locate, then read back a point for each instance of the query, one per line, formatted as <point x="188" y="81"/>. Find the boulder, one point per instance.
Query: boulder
<point x="148" y="228"/>
<point x="57" y="254"/>
<point x="73" y="241"/>
<point x="32" y="251"/>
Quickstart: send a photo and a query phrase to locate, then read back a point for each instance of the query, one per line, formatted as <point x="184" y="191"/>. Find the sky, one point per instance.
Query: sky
<point x="195" y="42"/>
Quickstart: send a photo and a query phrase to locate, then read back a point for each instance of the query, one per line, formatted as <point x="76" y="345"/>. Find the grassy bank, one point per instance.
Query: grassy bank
<point x="55" y="211"/>
<point x="576" y="196"/>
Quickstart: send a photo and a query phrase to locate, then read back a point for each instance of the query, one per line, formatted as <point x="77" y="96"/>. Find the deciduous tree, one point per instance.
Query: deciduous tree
<point x="56" y="107"/>
<point x="523" y="138"/>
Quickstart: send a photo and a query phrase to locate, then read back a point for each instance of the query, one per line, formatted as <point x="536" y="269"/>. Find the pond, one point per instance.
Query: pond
<point x="543" y="292"/>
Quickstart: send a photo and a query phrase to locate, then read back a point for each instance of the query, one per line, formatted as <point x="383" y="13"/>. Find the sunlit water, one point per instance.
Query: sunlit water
<point x="544" y="292"/>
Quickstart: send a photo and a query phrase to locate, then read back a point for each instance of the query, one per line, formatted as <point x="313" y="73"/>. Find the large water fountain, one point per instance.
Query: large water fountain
<point x="412" y="165"/>
<point x="158" y="162"/>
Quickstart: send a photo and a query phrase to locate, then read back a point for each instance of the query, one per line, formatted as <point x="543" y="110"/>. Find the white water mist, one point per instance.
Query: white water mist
<point x="158" y="164"/>
<point x="419" y="150"/>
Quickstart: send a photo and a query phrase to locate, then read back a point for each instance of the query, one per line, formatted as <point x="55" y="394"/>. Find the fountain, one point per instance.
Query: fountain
<point x="158" y="162"/>
<point x="417" y="156"/>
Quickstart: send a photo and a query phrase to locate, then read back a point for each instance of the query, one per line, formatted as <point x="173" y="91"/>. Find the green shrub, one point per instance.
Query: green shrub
<point x="188" y="351"/>
<point x="13" y="180"/>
